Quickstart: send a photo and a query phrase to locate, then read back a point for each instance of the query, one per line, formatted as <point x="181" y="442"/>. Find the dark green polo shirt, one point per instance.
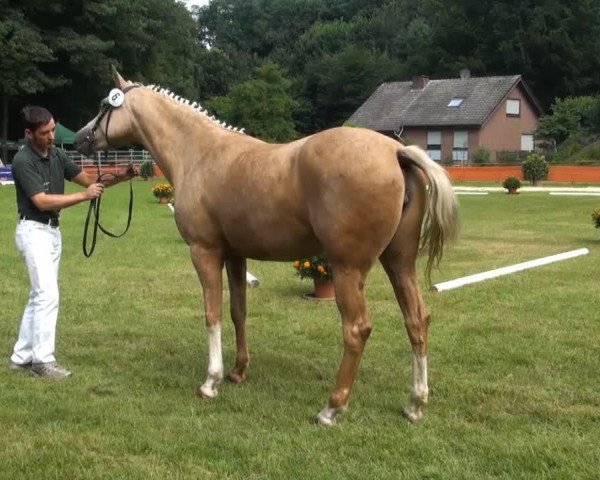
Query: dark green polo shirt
<point x="33" y="174"/>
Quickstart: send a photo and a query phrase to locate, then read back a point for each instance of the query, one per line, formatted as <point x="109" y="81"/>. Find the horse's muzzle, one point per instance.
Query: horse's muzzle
<point x="83" y="143"/>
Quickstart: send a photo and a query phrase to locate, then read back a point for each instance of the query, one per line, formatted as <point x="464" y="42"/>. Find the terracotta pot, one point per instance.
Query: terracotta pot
<point x="324" y="288"/>
<point x="163" y="199"/>
<point x="512" y="191"/>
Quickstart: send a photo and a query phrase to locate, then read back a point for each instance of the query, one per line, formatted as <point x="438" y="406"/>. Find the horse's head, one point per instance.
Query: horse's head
<point x="112" y="126"/>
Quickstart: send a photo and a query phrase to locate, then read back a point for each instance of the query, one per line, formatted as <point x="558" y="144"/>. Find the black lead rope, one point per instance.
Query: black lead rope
<point x="95" y="208"/>
<point x="106" y="108"/>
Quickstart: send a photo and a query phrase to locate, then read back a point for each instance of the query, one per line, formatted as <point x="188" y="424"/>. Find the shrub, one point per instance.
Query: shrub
<point x="596" y="218"/>
<point x="535" y="168"/>
<point x="316" y="267"/>
<point x="505" y="156"/>
<point x="511" y="183"/>
<point x="481" y="155"/>
<point x="147" y="169"/>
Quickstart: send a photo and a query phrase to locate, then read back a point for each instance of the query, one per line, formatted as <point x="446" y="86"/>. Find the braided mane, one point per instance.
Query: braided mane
<point x="194" y="106"/>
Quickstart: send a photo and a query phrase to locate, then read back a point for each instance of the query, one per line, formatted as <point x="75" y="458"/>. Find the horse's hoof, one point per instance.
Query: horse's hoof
<point x="206" y="393"/>
<point x="326" y="417"/>
<point x="412" y="415"/>
<point x="236" y="377"/>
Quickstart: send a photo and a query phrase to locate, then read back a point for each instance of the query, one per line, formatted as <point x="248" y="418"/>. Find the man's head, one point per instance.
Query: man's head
<point x="39" y="127"/>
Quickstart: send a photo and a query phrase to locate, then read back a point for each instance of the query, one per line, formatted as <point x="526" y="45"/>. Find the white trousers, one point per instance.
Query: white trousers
<point x="41" y="246"/>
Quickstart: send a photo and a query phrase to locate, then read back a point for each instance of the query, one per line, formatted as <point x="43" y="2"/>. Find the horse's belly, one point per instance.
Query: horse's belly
<point x="276" y="241"/>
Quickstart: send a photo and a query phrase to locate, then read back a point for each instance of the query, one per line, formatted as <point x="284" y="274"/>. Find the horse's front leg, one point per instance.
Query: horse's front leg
<point x="209" y="266"/>
<point x="236" y="275"/>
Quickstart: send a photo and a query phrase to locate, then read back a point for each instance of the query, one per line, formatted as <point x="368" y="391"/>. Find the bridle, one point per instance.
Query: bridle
<point x="115" y="99"/>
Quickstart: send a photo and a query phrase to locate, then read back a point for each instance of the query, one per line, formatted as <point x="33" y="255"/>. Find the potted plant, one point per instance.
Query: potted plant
<point x="319" y="270"/>
<point x="596" y="218"/>
<point x="163" y="191"/>
<point x="512" y="184"/>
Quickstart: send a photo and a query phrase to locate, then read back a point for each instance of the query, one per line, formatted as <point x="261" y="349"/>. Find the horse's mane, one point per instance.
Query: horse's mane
<point x="194" y="107"/>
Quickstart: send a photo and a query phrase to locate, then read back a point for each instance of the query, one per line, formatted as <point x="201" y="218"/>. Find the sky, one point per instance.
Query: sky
<point x="190" y="3"/>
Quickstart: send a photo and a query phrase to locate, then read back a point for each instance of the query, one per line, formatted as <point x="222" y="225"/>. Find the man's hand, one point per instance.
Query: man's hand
<point x="94" y="191"/>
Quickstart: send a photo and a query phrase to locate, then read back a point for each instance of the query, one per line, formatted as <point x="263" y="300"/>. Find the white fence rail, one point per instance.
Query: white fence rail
<point x="135" y="157"/>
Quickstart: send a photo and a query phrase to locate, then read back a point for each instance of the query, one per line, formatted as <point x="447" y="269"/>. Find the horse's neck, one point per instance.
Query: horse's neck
<point x="171" y="133"/>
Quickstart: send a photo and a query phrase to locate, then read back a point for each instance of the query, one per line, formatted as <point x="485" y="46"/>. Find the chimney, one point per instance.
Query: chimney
<point x="419" y="82"/>
<point x="465" y="74"/>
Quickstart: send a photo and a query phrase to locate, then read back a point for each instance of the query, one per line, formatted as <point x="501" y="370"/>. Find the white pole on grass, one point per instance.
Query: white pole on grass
<point x="251" y="280"/>
<point x="479" y="277"/>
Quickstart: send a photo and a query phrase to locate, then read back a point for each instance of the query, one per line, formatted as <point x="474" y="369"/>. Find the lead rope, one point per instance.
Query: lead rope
<point x="95" y="208"/>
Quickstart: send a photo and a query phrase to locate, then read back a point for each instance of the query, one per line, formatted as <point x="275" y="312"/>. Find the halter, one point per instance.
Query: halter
<point x="114" y="100"/>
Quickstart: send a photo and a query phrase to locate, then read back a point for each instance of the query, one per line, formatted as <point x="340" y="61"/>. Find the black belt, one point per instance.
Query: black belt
<point x="52" y="221"/>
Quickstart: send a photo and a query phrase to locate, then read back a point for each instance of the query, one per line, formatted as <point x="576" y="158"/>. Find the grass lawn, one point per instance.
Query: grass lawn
<point x="514" y="362"/>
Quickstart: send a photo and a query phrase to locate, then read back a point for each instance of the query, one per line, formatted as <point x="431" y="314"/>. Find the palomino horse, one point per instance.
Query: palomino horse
<point x="350" y="193"/>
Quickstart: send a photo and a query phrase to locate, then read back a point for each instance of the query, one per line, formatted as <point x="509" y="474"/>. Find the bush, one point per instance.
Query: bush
<point x="535" y="168"/>
<point x="147" y="169"/>
<point x="481" y="155"/>
<point x="596" y="218"/>
<point x="511" y="183"/>
<point x="505" y="156"/>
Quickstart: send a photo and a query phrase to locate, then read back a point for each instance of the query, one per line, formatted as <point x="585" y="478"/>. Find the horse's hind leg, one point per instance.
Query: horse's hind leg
<point x="399" y="262"/>
<point x="356" y="328"/>
<point x="236" y="275"/>
<point x="416" y="318"/>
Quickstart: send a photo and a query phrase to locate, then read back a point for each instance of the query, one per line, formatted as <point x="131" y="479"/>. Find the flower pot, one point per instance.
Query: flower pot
<point x="324" y="288"/>
<point x="163" y="199"/>
<point x="512" y="191"/>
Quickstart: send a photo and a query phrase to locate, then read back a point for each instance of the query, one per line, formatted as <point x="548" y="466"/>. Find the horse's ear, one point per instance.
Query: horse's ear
<point x="119" y="80"/>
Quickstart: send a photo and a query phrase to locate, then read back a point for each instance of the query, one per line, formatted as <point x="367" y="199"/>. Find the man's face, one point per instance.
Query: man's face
<point x="43" y="137"/>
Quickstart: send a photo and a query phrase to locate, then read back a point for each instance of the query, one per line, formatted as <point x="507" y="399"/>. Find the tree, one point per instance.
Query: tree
<point x="22" y="51"/>
<point x="571" y="116"/>
<point x="262" y="105"/>
<point x="337" y="84"/>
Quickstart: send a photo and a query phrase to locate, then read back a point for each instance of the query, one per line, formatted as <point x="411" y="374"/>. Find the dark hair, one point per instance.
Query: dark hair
<point x="35" y="117"/>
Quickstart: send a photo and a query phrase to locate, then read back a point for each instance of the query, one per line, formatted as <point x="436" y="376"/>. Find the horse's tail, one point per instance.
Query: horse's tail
<point x="440" y="225"/>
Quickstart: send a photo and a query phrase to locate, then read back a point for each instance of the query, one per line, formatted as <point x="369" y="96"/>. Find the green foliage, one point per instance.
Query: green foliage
<point x="337" y="84"/>
<point x="315" y="267"/>
<point x="507" y="157"/>
<point x="596" y="218"/>
<point x="481" y="155"/>
<point x="147" y="169"/>
<point x="535" y="168"/>
<point x="262" y="105"/>
<point x="511" y="183"/>
<point x="570" y="118"/>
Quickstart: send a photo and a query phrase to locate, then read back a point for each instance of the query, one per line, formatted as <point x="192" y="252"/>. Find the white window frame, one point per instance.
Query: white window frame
<point x="527" y="142"/>
<point x="434" y="145"/>
<point x="460" y="150"/>
<point x="513" y="107"/>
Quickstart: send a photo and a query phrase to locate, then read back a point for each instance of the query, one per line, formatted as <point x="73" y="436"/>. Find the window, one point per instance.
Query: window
<point x="513" y="107"/>
<point x="460" y="152"/>
<point x="434" y="145"/>
<point x="527" y="143"/>
<point x="455" y="102"/>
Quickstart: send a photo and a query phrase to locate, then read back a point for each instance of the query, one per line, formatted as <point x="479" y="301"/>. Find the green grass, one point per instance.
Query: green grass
<point x="513" y="361"/>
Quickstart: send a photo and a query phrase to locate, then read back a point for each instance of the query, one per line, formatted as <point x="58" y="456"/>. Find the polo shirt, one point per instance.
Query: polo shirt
<point x="33" y="174"/>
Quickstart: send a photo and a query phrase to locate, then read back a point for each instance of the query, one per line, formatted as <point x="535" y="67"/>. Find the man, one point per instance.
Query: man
<point x="39" y="171"/>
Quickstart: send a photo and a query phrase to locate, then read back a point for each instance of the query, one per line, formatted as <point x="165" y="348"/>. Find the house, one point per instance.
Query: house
<point x="452" y="118"/>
